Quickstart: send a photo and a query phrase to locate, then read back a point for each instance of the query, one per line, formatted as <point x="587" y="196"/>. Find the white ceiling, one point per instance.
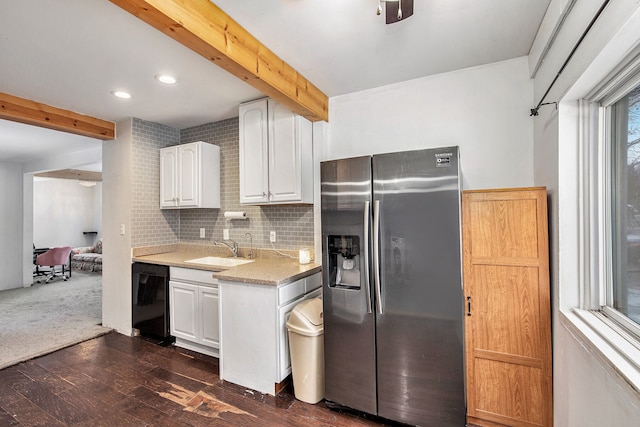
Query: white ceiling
<point x="342" y="46"/>
<point x="21" y="143"/>
<point x="73" y="53"/>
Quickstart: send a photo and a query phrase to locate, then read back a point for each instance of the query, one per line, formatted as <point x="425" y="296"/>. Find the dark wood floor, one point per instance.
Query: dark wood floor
<point x="115" y="380"/>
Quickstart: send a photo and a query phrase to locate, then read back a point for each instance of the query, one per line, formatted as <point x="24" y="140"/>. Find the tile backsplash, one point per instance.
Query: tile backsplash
<point x="149" y="224"/>
<point x="293" y="224"/>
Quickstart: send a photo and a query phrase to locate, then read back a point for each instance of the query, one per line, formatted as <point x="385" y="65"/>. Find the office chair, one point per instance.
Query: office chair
<point x="36" y="252"/>
<point x="52" y="258"/>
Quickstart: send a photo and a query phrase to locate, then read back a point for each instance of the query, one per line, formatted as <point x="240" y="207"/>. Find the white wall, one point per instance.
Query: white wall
<point x="116" y="211"/>
<point x="588" y="391"/>
<point x="319" y="146"/>
<point x="11" y="245"/>
<point x="97" y="213"/>
<point x="484" y="110"/>
<point x="62" y="210"/>
<point x="27" y="229"/>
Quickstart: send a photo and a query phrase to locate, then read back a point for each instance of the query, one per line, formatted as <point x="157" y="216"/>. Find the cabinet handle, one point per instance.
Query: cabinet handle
<point x="468" y="306"/>
<point x="264" y="194"/>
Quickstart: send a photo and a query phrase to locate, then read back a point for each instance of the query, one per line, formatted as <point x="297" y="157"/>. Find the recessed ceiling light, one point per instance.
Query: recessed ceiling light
<point x="121" y="94"/>
<point x="166" y="78"/>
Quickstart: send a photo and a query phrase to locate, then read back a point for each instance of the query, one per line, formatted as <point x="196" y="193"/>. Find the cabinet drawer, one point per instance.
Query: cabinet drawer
<point x="191" y="275"/>
<point x="313" y="282"/>
<point x="291" y="291"/>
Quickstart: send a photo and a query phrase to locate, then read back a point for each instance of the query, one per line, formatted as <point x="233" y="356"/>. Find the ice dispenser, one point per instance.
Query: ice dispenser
<point x="344" y="261"/>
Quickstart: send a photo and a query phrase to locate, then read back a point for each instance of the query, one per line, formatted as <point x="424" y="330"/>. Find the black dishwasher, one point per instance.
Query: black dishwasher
<point x="150" y="299"/>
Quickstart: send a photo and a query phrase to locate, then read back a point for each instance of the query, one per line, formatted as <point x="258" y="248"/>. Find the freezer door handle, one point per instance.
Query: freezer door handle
<point x="367" y="285"/>
<point x="376" y="254"/>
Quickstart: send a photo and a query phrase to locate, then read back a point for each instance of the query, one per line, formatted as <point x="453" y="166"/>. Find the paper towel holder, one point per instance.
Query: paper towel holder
<point x="235" y="215"/>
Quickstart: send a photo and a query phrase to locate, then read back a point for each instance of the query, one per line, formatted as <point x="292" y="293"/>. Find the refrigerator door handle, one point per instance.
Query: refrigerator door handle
<point x="376" y="254"/>
<point x="367" y="285"/>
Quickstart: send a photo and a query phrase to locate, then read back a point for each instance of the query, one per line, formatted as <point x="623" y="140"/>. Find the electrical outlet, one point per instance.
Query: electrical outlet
<point x="272" y="236"/>
<point x="225" y="233"/>
<point x="122" y="229"/>
<point x="202" y="233"/>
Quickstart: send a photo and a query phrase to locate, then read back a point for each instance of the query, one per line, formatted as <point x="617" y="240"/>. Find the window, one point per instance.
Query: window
<point x="620" y="292"/>
<point x="598" y="220"/>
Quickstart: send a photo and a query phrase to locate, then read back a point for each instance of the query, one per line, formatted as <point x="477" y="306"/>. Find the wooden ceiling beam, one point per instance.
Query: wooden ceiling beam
<point x="204" y="28"/>
<point x="34" y="113"/>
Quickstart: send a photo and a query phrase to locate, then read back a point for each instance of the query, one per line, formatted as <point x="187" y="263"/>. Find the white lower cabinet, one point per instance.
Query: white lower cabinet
<point x="209" y="316"/>
<point x="194" y="310"/>
<point x="284" y="358"/>
<point x="254" y="344"/>
<point x="183" y="310"/>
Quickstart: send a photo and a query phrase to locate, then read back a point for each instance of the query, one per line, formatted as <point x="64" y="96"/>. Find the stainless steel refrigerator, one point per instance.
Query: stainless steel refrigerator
<point x="393" y="302"/>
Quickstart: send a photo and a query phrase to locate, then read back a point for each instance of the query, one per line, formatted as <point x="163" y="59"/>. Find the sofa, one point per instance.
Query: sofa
<point x="87" y="258"/>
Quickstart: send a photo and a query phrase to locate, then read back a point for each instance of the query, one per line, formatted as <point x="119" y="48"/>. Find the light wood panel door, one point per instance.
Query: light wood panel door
<point x="508" y="323"/>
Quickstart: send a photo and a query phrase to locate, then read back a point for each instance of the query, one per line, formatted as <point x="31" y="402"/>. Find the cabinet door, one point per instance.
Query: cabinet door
<point x="189" y="175"/>
<point x="285" y="178"/>
<point x="284" y="354"/>
<point x="168" y="177"/>
<point x="248" y="343"/>
<point x="183" y="309"/>
<point x="254" y="178"/>
<point x="508" y="323"/>
<point x="210" y="322"/>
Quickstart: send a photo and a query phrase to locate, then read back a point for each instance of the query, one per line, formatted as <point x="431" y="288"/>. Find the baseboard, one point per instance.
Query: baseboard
<point x="209" y="351"/>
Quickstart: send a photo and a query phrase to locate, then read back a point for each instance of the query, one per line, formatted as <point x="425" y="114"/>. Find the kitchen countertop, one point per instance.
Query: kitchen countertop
<point x="265" y="271"/>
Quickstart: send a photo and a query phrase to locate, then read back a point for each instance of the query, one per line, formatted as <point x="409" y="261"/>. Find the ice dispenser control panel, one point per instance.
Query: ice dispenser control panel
<point x="344" y="261"/>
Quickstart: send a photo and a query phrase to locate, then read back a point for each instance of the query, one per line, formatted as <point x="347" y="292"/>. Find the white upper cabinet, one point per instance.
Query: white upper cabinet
<point x="190" y="176"/>
<point x="276" y="159"/>
<point x="168" y="174"/>
<point x="254" y="164"/>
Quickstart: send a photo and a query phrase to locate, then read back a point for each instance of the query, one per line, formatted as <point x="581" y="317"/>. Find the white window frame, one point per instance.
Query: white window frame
<point x="606" y="287"/>
<point x="616" y="337"/>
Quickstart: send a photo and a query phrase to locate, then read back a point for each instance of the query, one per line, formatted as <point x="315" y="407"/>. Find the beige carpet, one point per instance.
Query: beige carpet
<point x="46" y="317"/>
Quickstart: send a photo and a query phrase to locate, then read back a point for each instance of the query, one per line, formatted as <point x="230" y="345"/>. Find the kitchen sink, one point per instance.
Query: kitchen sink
<point x="219" y="261"/>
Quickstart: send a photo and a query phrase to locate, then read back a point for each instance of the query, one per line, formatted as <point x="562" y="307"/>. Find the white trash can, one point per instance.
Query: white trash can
<point x="306" y="345"/>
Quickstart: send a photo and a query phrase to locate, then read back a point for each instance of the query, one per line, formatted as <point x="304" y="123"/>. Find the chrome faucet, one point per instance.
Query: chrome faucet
<point x="233" y="248"/>
<point x="250" y="244"/>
